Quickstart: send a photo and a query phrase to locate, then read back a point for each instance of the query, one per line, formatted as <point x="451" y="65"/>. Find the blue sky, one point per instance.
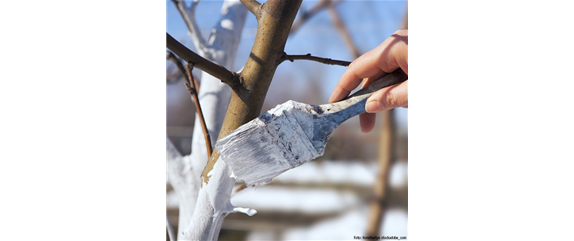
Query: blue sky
<point x="369" y="23"/>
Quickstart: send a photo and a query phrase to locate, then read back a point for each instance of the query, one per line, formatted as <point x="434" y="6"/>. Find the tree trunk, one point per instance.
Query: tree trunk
<point x="184" y="172"/>
<point x="275" y="18"/>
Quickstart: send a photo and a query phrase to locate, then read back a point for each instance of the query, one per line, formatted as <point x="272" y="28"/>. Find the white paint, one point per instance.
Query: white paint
<point x="284" y="137"/>
<point x="269" y="145"/>
<point x="184" y="184"/>
<point x="248" y="211"/>
<point x="213" y="205"/>
<point x="198" y="206"/>
<point x="227" y="24"/>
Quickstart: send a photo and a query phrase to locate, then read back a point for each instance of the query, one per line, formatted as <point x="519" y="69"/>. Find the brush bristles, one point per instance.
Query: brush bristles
<point x="269" y="145"/>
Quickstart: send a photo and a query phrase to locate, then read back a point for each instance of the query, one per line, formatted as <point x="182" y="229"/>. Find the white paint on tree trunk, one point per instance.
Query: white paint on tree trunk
<point x="214" y="205"/>
<point x="200" y="214"/>
<point x="213" y="94"/>
<point x="227" y="24"/>
<point x="179" y="170"/>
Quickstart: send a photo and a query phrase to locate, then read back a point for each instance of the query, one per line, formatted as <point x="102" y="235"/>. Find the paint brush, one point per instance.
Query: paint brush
<point x="291" y="134"/>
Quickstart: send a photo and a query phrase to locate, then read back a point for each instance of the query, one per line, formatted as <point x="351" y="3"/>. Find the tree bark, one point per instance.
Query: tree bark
<point x="213" y="204"/>
<point x="214" y="96"/>
<point x="272" y="32"/>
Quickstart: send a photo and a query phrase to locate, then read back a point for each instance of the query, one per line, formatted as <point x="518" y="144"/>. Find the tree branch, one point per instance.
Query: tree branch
<point x="178" y="168"/>
<point x="194" y="209"/>
<point x="253" y="6"/>
<point x="343" y="30"/>
<point x="171" y="57"/>
<point x="188" y="15"/>
<point x="314" y="58"/>
<point x="193" y="91"/>
<point x="274" y="24"/>
<point x="216" y="70"/>
<point x="181" y="71"/>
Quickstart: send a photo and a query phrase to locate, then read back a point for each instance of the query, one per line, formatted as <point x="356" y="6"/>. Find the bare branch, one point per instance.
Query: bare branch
<point x="171" y="57"/>
<point x="193" y="91"/>
<point x="317" y="59"/>
<point x="188" y="15"/>
<point x="253" y="6"/>
<point x="305" y="15"/>
<point x="343" y="31"/>
<point x="228" y="77"/>
<point x="177" y="62"/>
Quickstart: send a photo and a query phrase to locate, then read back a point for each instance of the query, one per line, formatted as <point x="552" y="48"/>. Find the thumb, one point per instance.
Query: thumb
<point x="388" y="98"/>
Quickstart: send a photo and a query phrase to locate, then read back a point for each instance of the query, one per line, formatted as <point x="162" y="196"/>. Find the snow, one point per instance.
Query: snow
<point x="295" y="200"/>
<point x="357" y="173"/>
<point x="325" y="172"/>
<point x="343" y="172"/>
<point x="312" y="200"/>
<point x="352" y="223"/>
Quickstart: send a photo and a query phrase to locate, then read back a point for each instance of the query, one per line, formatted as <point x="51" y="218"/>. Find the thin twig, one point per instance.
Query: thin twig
<point x="174" y="78"/>
<point x="171" y="57"/>
<point x="188" y="15"/>
<point x="306" y="15"/>
<point x="177" y="62"/>
<point x="228" y="77"/>
<point x="193" y="91"/>
<point x="253" y="6"/>
<point x="315" y="58"/>
<point x="170" y="232"/>
<point x="343" y="30"/>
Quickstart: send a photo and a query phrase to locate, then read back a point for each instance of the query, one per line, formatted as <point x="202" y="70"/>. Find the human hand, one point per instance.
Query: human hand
<point x="385" y="58"/>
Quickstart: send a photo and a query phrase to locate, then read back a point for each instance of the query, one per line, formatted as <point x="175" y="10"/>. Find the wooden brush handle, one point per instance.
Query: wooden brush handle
<point x="392" y="78"/>
<point x="355" y="104"/>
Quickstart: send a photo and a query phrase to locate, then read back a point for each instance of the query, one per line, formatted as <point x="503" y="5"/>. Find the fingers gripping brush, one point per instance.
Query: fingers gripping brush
<point x="291" y="134"/>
